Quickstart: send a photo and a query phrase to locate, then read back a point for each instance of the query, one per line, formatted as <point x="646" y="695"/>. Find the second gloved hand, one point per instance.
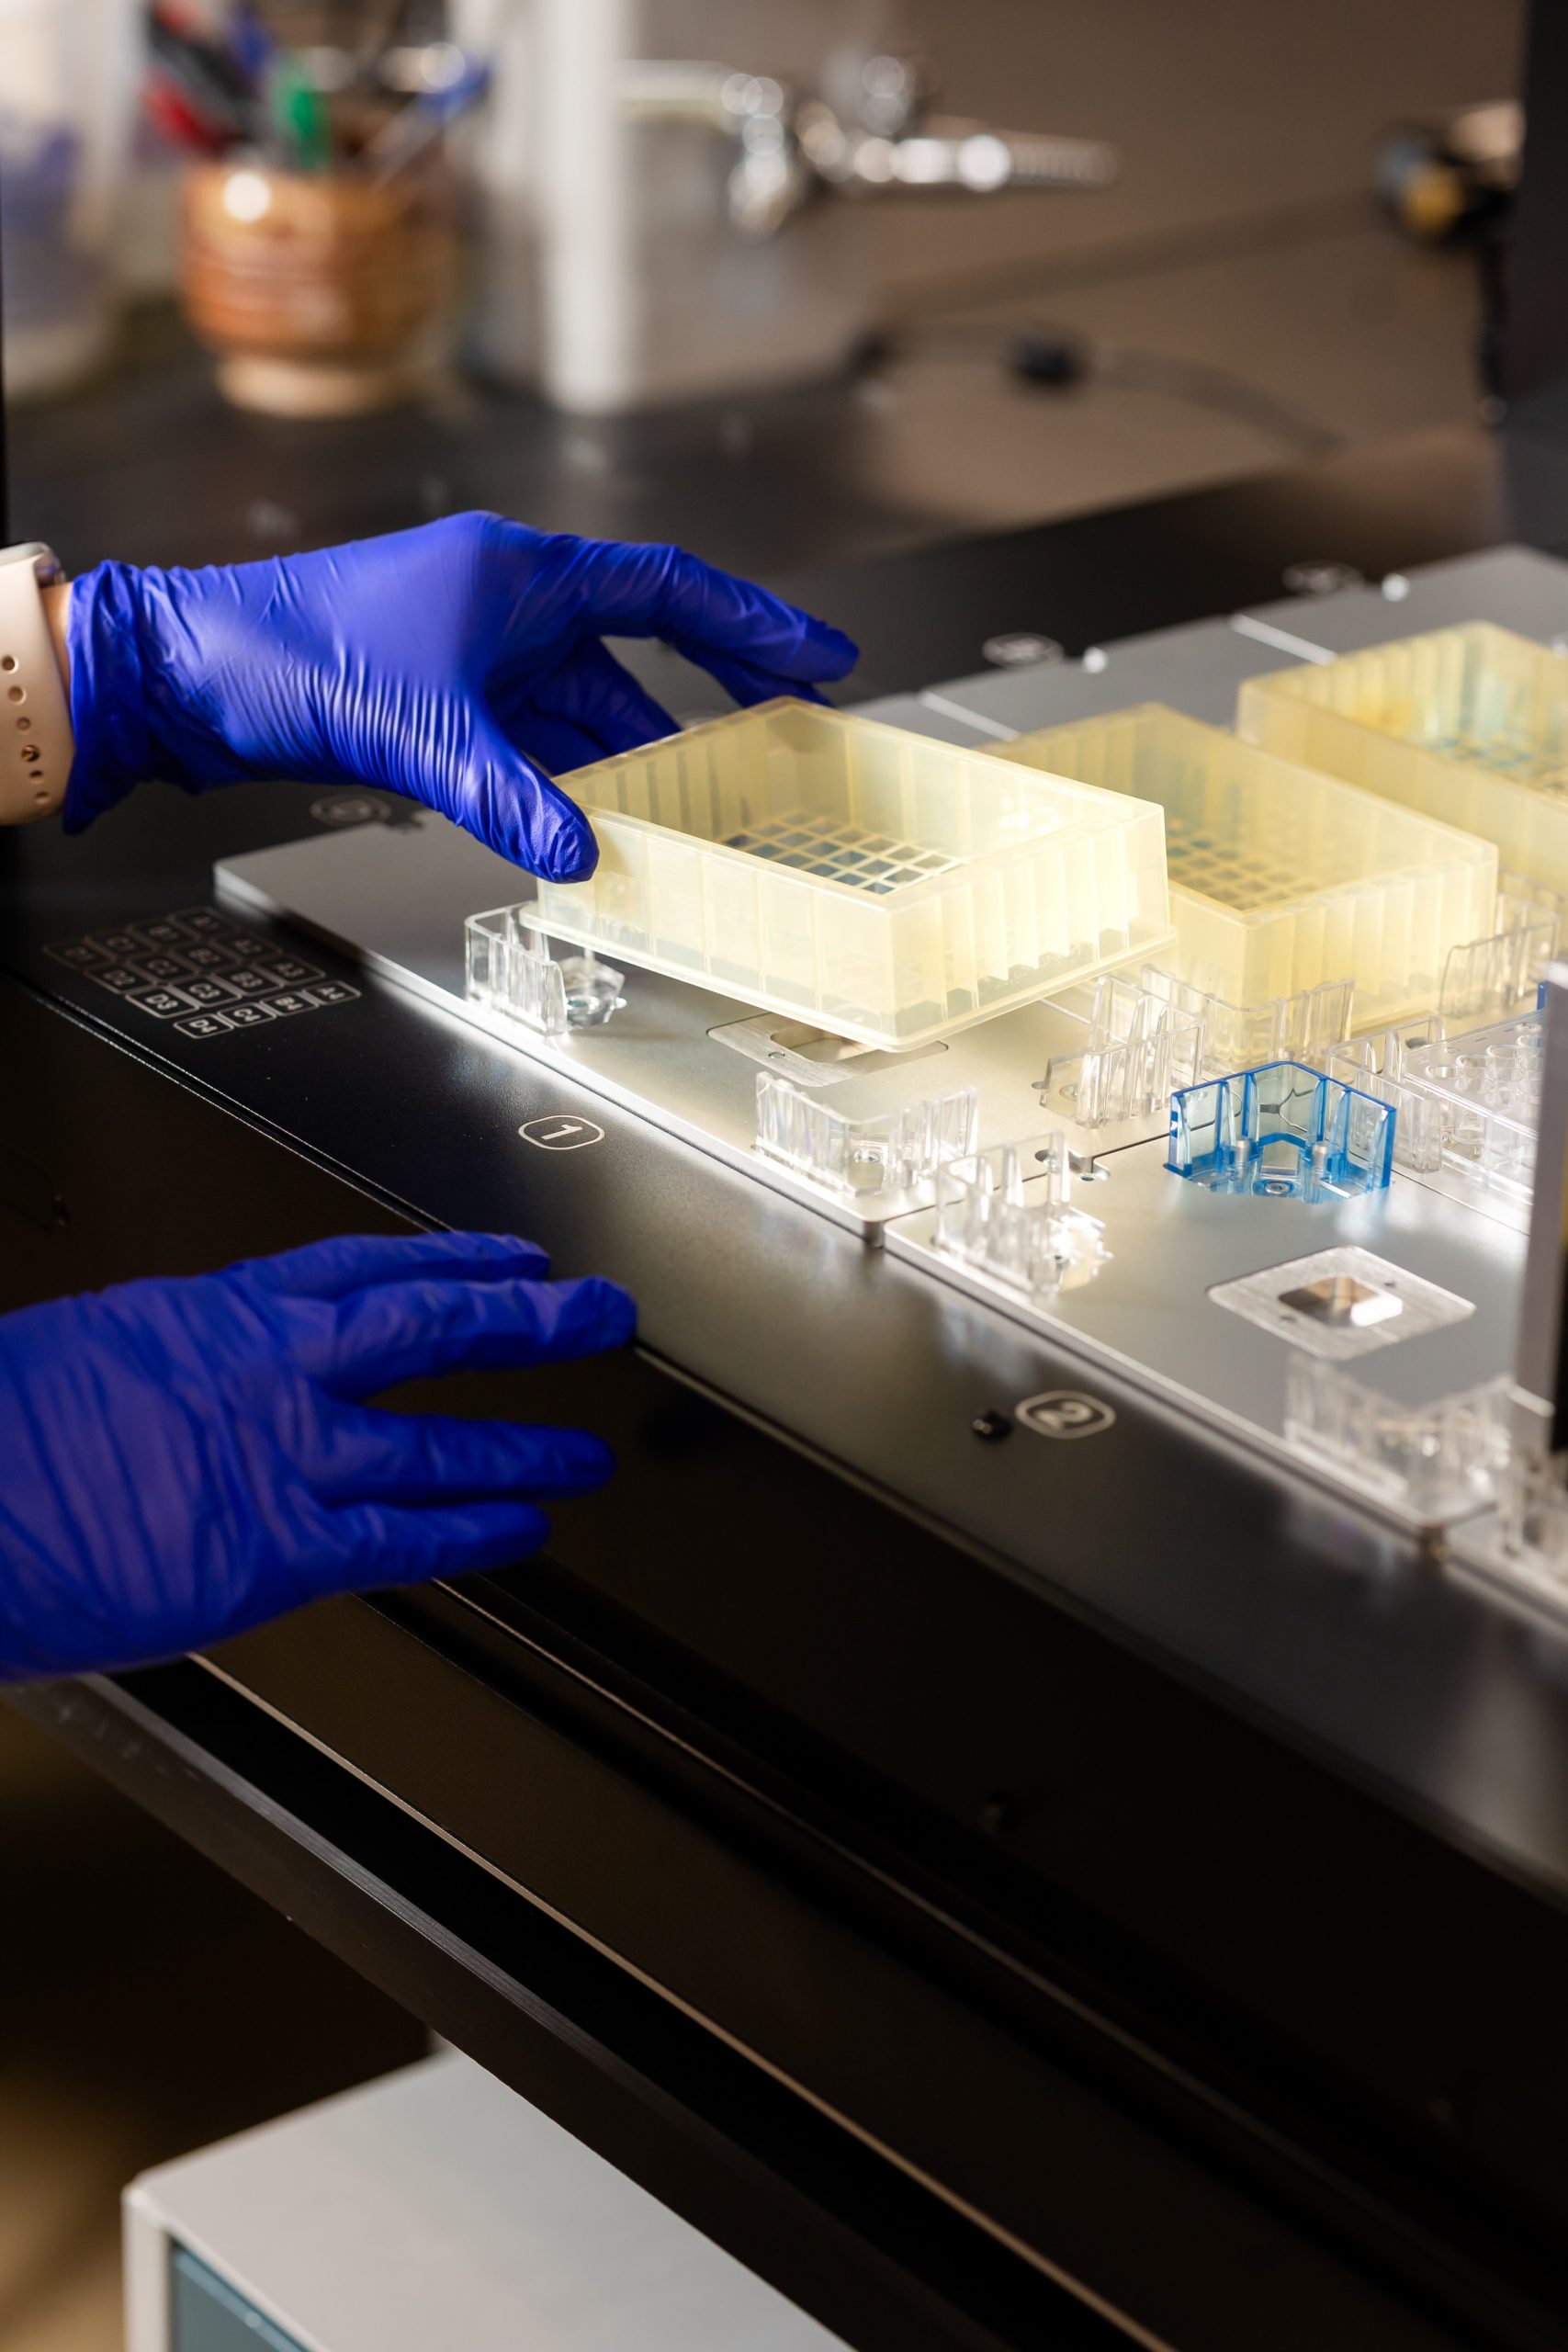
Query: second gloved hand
<point x="183" y="1459"/>
<point x="462" y="665"/>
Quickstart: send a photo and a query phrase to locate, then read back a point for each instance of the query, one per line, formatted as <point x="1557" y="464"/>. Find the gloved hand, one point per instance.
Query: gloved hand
<point x="183" y="1459"/>
<point x="457" y="664"/>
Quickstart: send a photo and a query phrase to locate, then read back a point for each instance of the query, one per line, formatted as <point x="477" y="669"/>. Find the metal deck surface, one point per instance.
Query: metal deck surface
<point x="395" y="897"/>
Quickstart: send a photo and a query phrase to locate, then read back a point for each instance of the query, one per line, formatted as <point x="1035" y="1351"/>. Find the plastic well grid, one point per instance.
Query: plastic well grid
<point x="841" y="853"/>
<point x="889" y="888"/>
<point x="1468" y="725"/>
<point x="1280" y="878"/>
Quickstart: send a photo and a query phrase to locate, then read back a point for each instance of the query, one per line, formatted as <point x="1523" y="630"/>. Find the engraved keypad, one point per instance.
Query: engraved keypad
<point x="204" y="973"/>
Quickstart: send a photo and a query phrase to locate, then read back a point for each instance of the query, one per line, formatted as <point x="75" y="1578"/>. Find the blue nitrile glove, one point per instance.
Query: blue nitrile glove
<point x="459" y="664"/>
<point x="183" y="1459"/>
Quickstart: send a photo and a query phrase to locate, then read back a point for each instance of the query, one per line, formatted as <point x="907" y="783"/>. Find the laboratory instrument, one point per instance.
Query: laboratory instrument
<point x="1002" y="1748"/>
<point x="507" y="2230"/>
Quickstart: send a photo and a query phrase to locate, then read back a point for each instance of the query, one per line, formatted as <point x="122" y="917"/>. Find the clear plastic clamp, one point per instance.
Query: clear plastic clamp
<point x="1007" y="1213"/>
<point x="1437" y="1460"/>
<point x="1141" y="1048"/>
<point x="894" y="1152"/>
<point x="508" y="968"/>
<point x="1532" y="1539"/>
<point x="1470" y="1104"/>
<point x="1493" y="976"/>
<point x="1299" y="1028"/>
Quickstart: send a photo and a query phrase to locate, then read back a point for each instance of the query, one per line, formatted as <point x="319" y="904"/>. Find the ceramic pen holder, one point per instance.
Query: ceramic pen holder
<point x="320" y="292"/>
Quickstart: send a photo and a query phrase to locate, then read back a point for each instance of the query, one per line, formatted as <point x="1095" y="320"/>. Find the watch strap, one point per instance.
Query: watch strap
<point x="36" y="742"/>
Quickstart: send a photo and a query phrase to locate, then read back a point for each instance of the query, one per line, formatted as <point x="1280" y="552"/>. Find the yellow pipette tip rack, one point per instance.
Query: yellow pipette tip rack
<point x="1281" y="878"/>
<point x="883" y="885"/>
<point x="1467" y="726"/>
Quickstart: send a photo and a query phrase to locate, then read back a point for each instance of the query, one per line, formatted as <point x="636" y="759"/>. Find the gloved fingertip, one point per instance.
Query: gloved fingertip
<point x="548" y="834"/>
<point x="836" y="653"/>
<point x="501" y="1251"/>
<point x="583" y="1467"/>
<point x="607" y="1305"/>
<point x="570" y="855"/>
<point x="487" y="1243"/>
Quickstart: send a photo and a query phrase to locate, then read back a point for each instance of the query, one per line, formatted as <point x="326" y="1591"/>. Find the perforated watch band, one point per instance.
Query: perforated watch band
<point x="36" y="742"/>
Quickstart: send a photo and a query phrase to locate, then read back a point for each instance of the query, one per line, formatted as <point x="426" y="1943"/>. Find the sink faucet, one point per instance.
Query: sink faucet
<point x="794" y="146"/>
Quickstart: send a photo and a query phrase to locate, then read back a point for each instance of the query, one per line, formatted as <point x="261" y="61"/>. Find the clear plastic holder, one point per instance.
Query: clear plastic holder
<point x="508" y="967"/>
<point x="1501" y="974"/>
<point x="1008" y="1213"/>
<point x="1495" y="975"/>
<point x="1299" y="1028"/>
<point x="1467" y="724"/>
<point x="1521" y="902"/>
<point x="889" y="888"/>
<point x="1375" y="1066"/>
<point x="1531" y="1544"/>
<point x="1281" y="878"/>
<point x="1284" y="1131"/>
<point x="1141" y="1048"/>
<point x="894" y="1152"/>
<point x="1470" y="1104"/>
<point x="1437" y="1461"/>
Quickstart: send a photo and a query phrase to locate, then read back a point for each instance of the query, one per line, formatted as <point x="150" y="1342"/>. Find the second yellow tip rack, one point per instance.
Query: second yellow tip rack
<point x="1281" y="878"/>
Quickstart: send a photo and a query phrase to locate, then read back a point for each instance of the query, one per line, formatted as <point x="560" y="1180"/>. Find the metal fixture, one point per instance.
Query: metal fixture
<point x="794" y="145"/>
